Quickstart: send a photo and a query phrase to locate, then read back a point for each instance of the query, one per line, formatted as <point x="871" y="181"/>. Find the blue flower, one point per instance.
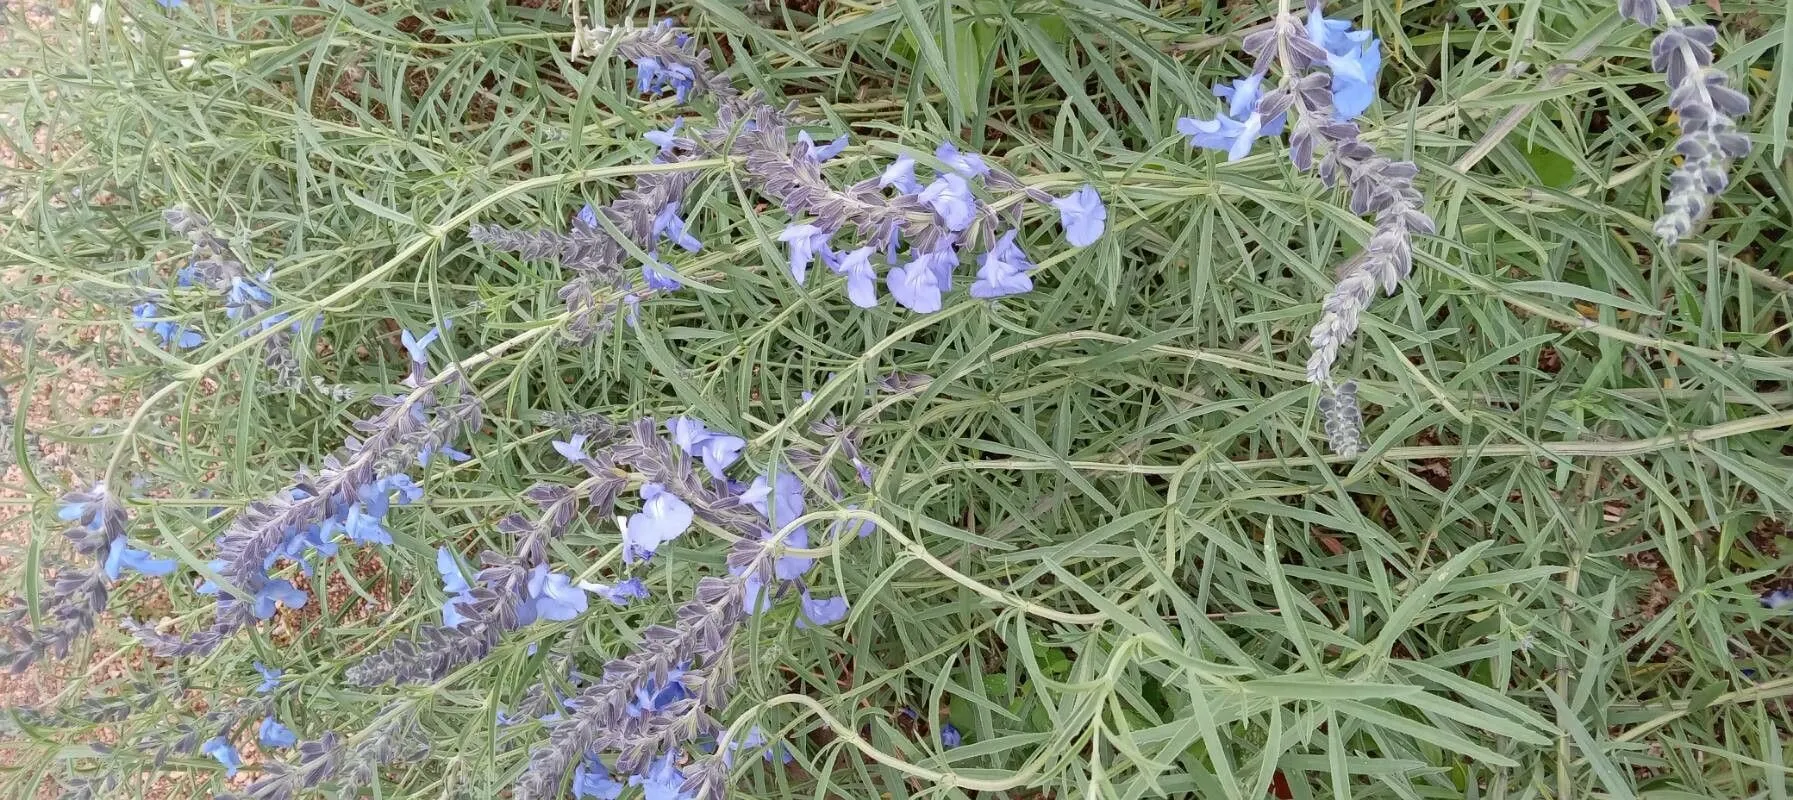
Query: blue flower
<point x="1778" y="599"/>
<point x="862" y="280"/>
<point x="663" y="517"/>
<point x="1082" y="215"/>
<point x="1003" y="270"/>
<point x="656" y="279"/>
<point x="169" y="3"/>
<point x="755" y="739"/>
<point x="680" y="79"/>
<point x="209" y="586"/>
<point x="121" y="556"/>
<point x="757" y="598"/>
<point x="950" y="736"/>
<point x="720" y="450"/>
<point x="806" y="241"/>
<point x="365" y="527"/>
<point x="554" y="595"/>
<point x="450" y="570"/>
<point x="657" y="695"/>
<point x="668" y="223"/>
<point x="419" y="347"/>
<point x="451" y="610"/>
<point x="966" y="164"/>
<point x="1235" y="130"/>
<point x="1354" y="58"/>
<point x="591" y="780"/>
<point x="573" y="451"/>
<point x="826" y="611"/>
<point x="662" y="781"/>
<point x="820" y="154"/>
<point x="277" y="590"/>
<point x="666" y="140"/>
<point x="424" y="455"/>
<point x="950" y="198"/>
<point x="221" y="749"/>
<point x="1354" y="81"/>
<point x="270" y="678"/>
<point x="408" y="491"/>
<point x="647" y="74"/>
<point x="915" y="287"/>
<point x="274" y="734"/>
<point x="780" y="501"/>
<point x="900" y="174"/>
<point x="587" y="217"/>
<point x="687" y="433"/>
<point x="864" y="527"/>
<point x="620" y="594"/>
<point x="942" y="260"/>
<point x="143" y="316"/>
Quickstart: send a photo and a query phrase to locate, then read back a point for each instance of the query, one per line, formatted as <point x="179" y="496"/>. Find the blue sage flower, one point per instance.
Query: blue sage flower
<point x="592" y="782"/>
<point x="1235" y="130"/>
<point x="969" y="165"/>
<point x="279" y="591"/>
<point x="657" y="280"/>
<point x="573" y="451"/>
<point x="143" y="316"/>
<point x="270" y="678"/>
<point x="669" y="224"/>
<point x="273" y="734"/>
<point x="1082" y="215"/>
<point x="900" y="174"/>
<point x="1778" y="599"/>
<point x="826" y="611"/>
<point x="950" y="198"/>
<point x="780" y="501"/>
<point x="825" y="152"/>
<point x="1354" y="57"/>
<point x="365" y="527"/>
<point x="554" y="596"/>
<point x="587" y="218"/>
<point x="620" y="594"/>
<point x="121" y="556"/>
<point x="221" y="749"/>
<point x="1003" y="270"/>
<point x="862" y="280"/>
<point x="805" y="241"/>
<point x="663" y="517"/>
<point x="170" y="3"/>
<point x="662" y="781"/>
<point x="950" y="736"/>
<point x="915" y="286"/>
<point x="665" y="139"/>
<point x="418" y="347"/>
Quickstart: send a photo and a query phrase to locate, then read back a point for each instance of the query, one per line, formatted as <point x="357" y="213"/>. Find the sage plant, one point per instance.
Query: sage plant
<point x="1328" y="76"/>
<point x="1707" y="109"/>
<point x="939" y="222"/>
<point x="349" y="496"/>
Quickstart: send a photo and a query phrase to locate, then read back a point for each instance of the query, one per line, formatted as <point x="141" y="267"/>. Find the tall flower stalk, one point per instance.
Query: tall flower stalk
<point x="1707" y="109"/>
<point x="1328" y="75"/>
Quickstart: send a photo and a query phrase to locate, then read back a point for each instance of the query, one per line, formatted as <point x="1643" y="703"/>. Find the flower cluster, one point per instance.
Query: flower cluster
<point x="247" y="297"/>
<point x="1328" y="77"/>
<point x="147" y="316"/>
<point x="97" y="529"/>
<point x="938" y="223"/>
<point x="650" y="705"/>
<point x="1353" y="61"/>
<point x="350" y="496"/>
<point x="1707" y="108"/>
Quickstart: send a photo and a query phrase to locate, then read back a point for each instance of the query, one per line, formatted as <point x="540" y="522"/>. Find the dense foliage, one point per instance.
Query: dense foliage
<point x="905" y="398"/>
